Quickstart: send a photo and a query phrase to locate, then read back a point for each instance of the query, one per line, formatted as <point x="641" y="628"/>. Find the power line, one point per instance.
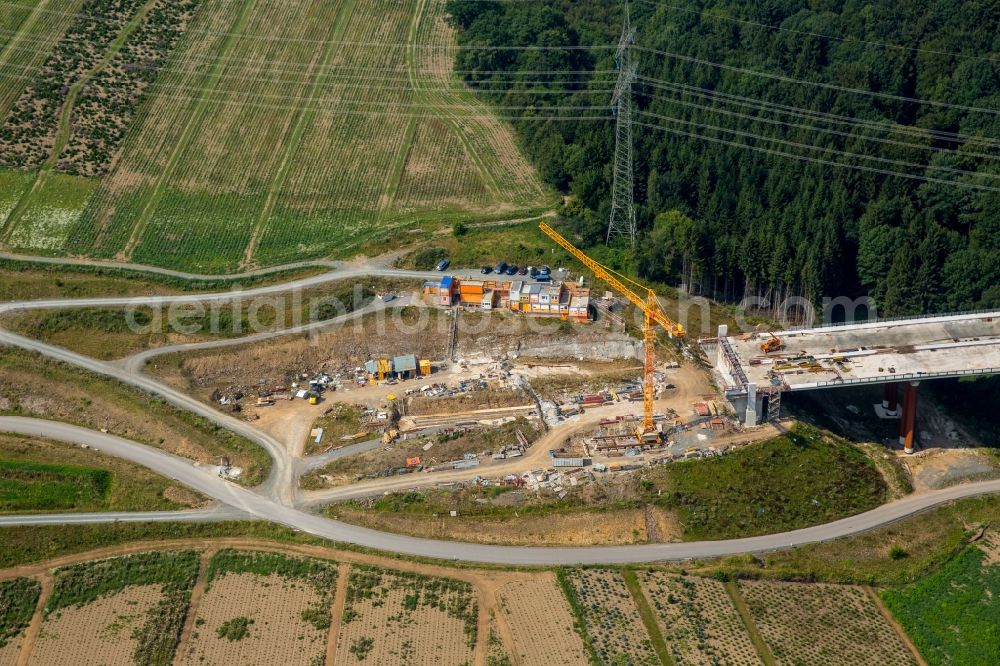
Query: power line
<point x="953" y="137"/>
<point x="807" y="33"/>
<point x="622" y="221"/>
<point x="817" y="84"/>
<point x="822" y="130"/>
<point x="794" y="144"/>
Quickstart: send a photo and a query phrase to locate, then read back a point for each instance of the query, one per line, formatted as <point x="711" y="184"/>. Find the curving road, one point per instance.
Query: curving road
<point x="261" y="507"/>
<point x="276" y="499"/>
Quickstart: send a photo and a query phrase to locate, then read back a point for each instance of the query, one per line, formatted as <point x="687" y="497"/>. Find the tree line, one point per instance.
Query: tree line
<point x="887" y="194"/>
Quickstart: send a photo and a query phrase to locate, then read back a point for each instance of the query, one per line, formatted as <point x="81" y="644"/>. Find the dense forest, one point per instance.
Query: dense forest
<point x="783" y="147"/>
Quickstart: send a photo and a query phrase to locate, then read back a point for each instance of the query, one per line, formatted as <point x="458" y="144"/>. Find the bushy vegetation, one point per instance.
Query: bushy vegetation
<point x="30" y="128"/>
<point x="802" y="478"/>
<point x="735" y="218"/>
<point x="174" y="571"/>
<point x="109" y="100"/>
<point x="235" y="629"/>
<point x="30" y="486"/>
<point x="447" y="595"/>
<point x="321" y="575"/>
<point x="18" y="598"/>
<point x="953" y="614"/>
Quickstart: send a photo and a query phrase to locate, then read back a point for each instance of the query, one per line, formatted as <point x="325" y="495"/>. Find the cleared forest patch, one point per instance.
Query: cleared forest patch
<point x="401" y="617"/>
<point x="123" y="610"/>
<point x="263" y="608"/>
<point x="541" y="624"/>
<point x="609" y="617"/>
<point x="698" y="620"/>
<point x="816" y="623"/>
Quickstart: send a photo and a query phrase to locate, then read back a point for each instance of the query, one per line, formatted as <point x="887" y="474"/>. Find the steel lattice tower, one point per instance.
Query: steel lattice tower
<point x="622" y="222"/>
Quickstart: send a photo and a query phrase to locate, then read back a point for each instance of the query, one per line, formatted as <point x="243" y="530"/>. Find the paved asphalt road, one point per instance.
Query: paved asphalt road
<point x="262" y="507"/>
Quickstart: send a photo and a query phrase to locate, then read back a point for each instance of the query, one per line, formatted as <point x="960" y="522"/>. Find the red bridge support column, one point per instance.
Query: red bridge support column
<point x="890" y="400"/>
<point x="908" y="419"/>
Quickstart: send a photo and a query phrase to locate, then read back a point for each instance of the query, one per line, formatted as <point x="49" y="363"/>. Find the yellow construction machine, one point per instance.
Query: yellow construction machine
<point x="652" y="312"/>
<point x="772" y="344"/>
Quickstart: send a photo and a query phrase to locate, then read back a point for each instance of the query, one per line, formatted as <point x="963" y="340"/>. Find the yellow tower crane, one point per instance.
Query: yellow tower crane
<point x="652" y="312"/>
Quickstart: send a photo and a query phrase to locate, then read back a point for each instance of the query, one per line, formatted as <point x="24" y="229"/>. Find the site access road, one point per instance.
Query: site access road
<point x="261" y="507"/>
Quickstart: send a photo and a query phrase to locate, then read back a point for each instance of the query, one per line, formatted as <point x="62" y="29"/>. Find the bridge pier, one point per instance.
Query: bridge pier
<point x="908" y="419"/>
<point x="890" y="400"/>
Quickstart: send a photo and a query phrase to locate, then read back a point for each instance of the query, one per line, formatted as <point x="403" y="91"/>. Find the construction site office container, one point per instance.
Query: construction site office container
<point x="570" y="462"/>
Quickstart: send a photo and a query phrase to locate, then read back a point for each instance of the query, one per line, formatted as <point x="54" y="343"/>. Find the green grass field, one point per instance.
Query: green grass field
<point x="805" y="477"/>
<point x="953" y="615"/>
<point x="30" y="486"/>
<point x="275" y="133"/>
<point x="38" y="475"/>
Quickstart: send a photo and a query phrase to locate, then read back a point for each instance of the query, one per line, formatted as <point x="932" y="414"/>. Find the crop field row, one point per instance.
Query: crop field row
<point x="263" y="608"/>
<point x="28" y="132"/>
<point x="394" y="617"/>
<point x="29" y="29"/>
<point x="272" y="132"/>
<point x="18" y="598"/>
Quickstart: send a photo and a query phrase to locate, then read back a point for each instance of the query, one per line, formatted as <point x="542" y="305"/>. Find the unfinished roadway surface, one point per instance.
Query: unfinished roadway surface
<point x="870" y="353"/>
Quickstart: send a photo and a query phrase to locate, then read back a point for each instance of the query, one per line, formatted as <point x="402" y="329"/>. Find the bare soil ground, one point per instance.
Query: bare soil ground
<point x="278" y="634"/>
<point x="541" y="623"/>
<point x="818" y="624"/>
<point x="698" y="620"/>
<point x="580" y="528"/>
<point x="396" y="618"/>
<point x="99" y="633"/>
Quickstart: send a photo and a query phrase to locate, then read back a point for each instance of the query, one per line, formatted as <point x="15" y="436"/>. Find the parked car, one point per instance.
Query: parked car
<point x="486" y="270"/>
<point x="545" y="270"/>
<point x="522" y="271"/>
<point x="544" y="278"/>
<point x="512" y="270"/>
<point x="500" y="267"/>
<point x="443" y="264"/>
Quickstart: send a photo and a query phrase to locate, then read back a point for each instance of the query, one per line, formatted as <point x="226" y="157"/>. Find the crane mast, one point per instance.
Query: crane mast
<point x="652" y="314"/>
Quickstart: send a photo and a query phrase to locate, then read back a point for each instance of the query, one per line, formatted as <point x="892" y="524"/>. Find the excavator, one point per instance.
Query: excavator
<point x="653" y="314"/>
<point x="772" y="344"/>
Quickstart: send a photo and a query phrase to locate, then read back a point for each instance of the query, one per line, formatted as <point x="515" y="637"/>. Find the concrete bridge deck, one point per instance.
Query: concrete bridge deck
<point x="867" y="353"/>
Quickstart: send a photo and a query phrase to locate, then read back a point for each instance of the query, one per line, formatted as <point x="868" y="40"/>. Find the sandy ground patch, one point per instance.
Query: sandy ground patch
<point x="576" y="529"/>
<point x="541" y="623"/>
<point x="942" y="467"/>
<point x="278" y="634"/>
<point x="99" y="633"/>
<point x="401" y="620"/>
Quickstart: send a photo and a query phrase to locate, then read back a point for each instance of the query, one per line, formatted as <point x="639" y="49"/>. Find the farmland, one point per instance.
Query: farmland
<point x="608" y="614"/>
<point x="406" y="618"/>
<point x="263" y="608"/>
<point x="18" y="598"/>
<point x="215" y="134"/>
<point x="541" y="624"/>
<point x="822" y="624"/>
<point x="121" y="610"/>
<point x="698" y="620"/>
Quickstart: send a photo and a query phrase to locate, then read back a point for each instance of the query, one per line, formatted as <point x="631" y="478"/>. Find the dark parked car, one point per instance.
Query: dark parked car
<point x="533" y="271"/>
<point x="500" y="267"/>
<point x="486" y="270"/>
<point x="523" y="271"/>
<point x="443" y="264"/>
<point x="512" y="270"/>
<point x="544" y="278"/>
<point x="545" y="270"/>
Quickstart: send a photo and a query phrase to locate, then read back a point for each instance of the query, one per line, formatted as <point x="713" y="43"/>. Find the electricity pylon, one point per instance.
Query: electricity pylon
<point x="622" y="222"/>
